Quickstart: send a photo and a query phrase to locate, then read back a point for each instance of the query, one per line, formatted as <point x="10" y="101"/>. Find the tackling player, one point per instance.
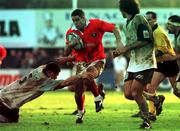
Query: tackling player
<point x="41" y="79"/>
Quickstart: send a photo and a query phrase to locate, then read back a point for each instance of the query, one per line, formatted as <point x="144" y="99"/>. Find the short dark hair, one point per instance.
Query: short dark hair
<point x="129" y="6"/>
<point x="53" y="66"/>
<point x="154" y="15"/>
<point x="174" y="18"/>
<point x="78" y="12"/>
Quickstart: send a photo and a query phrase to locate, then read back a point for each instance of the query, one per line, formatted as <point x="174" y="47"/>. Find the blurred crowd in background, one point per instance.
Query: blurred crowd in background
<point x="29" y="58"/>
<point x="32" y="58"/>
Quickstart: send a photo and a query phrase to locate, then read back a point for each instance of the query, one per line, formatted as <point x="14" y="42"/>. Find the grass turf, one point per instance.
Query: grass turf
<point x="50" y="112"/>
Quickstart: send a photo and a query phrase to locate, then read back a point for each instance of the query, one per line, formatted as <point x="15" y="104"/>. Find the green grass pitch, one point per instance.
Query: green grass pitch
<point x="49" y="112"/>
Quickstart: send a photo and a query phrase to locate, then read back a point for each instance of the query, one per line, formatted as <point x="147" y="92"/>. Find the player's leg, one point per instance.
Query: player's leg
<point x="8" y="115"/>
<point x="72" y="88"/>
<point x="155" y="102"/>
<point x="91" y="73"/>
<point x="173" y="75"/>
<point x="137" y="91"/>
<point x="80" y="97"/>
<point x="177" y="87"/>
<point x="173" y="80"/>
<point x="127" y="86"/>
<point x="128" y="94"/>
<point x="141" y="79"/>
<point x="101" y="90"/>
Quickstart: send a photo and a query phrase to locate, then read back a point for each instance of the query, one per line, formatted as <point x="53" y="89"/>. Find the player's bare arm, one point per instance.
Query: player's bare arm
<point x="116" y="33"/>
<point x="63" y="60"/>
<point x="69" y="81"/>
<point x="168" y="57"/>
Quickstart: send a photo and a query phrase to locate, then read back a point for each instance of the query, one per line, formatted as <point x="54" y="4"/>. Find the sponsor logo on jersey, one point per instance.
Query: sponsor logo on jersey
<point x="146" y="34"/>
<point x="94" y="34"/>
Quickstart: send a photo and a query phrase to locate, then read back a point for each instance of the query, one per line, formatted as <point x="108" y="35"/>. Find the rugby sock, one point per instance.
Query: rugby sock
<point x="152" y="108"/>
<point x="80" y="102"/>
<point x="149" y="96"/>
<point x="98" y="98"/>
<point x="83" y="100"/>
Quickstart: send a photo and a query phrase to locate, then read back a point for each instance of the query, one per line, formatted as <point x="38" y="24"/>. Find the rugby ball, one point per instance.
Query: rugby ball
<point x="78" y="45"/>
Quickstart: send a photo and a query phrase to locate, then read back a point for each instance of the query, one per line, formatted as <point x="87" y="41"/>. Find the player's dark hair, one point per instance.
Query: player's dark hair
<point x="131" y="7"/>
<point x="52" y="66"/>
<point x="174" y="18"/>
<point x="154" y="15"/>
<point x="78" y="12"/>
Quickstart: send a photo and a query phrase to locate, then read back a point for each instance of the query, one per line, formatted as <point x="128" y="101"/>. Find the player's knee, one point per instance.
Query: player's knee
<point x="128" y="95"/>
<point x="87" y="77"/>
<point x="135" y="94"/>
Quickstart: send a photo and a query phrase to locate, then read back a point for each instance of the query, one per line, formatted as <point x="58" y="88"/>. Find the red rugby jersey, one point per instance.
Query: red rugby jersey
<point x="92" y="39"/>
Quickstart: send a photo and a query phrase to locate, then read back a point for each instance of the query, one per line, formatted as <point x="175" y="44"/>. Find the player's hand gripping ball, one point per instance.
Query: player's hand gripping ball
<point x="76" y="40"/>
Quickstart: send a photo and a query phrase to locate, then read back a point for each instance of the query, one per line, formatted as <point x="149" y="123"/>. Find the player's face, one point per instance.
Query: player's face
<point x="52" y="75"/>
<point x="79" y="22"/>
<point x="123" y="14"/>
<point x="170" y="27"/>
<point x="150" y="20"/>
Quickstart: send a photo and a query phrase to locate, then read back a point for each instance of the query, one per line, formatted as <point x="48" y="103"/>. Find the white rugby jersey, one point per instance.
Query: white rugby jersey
<point x="28" y="88"/>
<point x="141" y="58"/>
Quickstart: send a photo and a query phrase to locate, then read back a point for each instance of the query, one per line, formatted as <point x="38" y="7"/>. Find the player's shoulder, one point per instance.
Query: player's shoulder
<point x="139" y="18"/>
<point x="94" y="21"/>
<point x="159" y="31"/>
<point x="70" y="30"/>
<point x="37" y="73"/>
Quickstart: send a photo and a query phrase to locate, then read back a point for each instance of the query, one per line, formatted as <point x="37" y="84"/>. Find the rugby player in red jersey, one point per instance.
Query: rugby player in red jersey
<point x="84" y="42"/>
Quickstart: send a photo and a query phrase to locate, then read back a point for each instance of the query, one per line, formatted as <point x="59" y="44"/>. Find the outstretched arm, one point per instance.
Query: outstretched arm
<point x="64" y="60"/>
<point x="69" y="81"/>
<point x="89" y="75"/>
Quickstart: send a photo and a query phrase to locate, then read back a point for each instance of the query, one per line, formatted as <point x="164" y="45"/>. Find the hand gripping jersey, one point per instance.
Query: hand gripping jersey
<point x="28" y="88"/>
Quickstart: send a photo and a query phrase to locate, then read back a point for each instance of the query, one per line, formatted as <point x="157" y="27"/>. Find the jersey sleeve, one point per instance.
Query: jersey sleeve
<point x="143" y="29"/>
<point x="105" y="26"/>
